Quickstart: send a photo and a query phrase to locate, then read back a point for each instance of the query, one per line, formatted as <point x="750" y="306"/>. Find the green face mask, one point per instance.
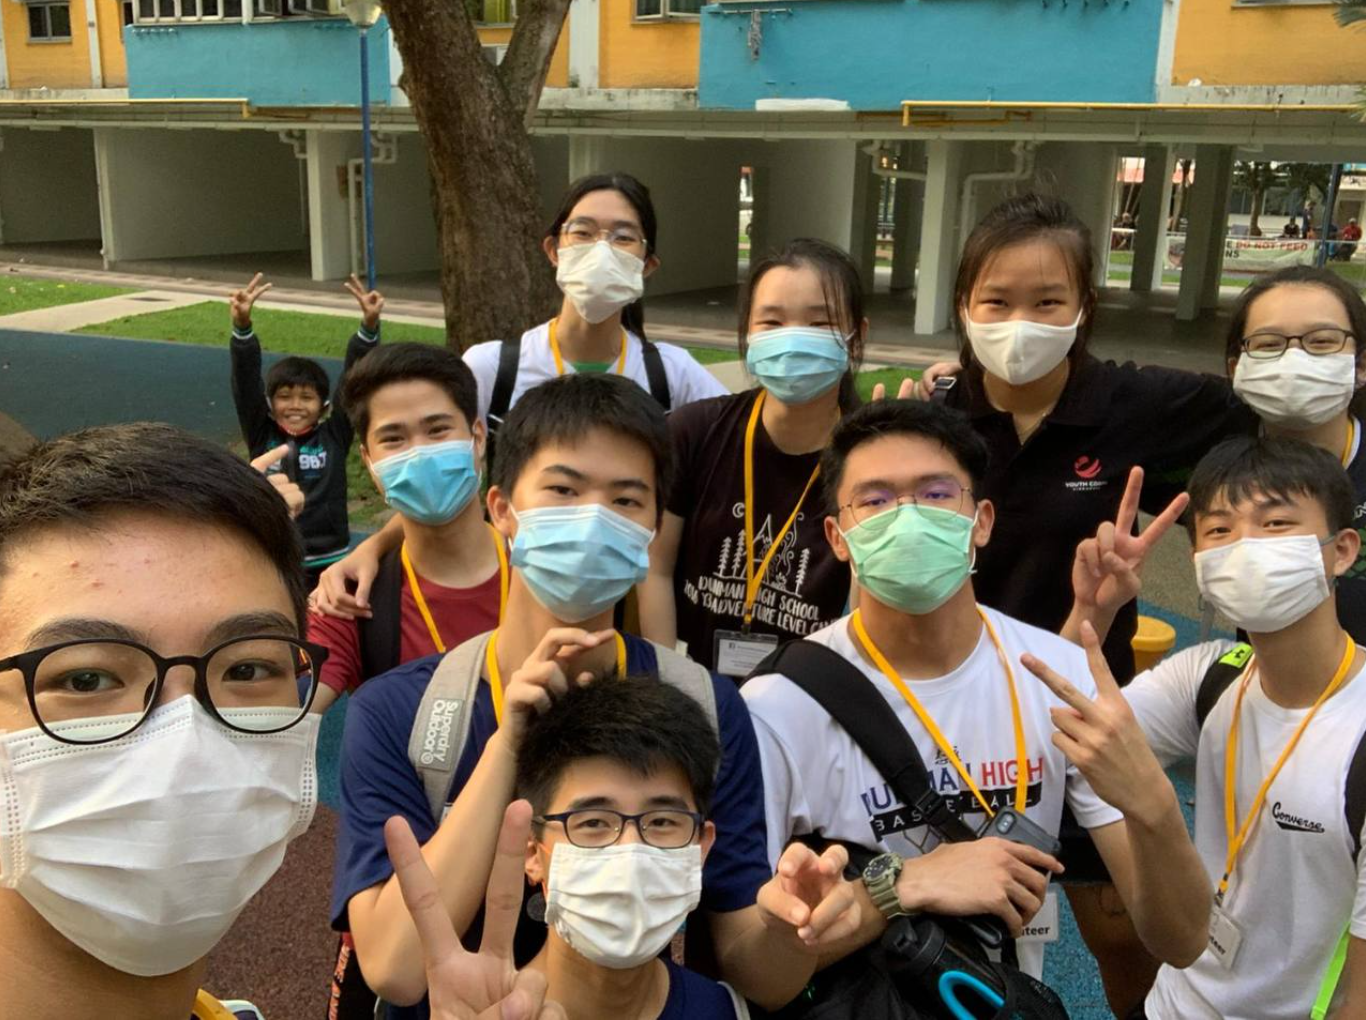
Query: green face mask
<point x="913" y="558"/>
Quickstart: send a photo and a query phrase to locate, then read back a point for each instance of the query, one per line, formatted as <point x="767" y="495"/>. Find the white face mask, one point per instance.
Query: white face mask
<point x="1264" y="584"/>
<point x="144" y="850"/>
<point x="1018" y="350"/>
<point x="618" y="906"/>
<point x="1296" y="390"/>
<point x="599" y="278"/>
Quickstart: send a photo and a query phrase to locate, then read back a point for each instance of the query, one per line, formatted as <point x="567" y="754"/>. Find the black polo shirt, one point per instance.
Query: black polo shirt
<point x="1056" y="488"/>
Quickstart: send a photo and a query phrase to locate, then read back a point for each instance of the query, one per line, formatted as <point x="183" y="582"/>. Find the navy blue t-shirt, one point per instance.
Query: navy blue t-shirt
<point x="378" y="782"/>
<point x="694" y="997"/>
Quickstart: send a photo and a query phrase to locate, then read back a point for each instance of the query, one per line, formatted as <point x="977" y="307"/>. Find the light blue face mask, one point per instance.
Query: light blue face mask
<point x="797" y="363"/>
<point x="430" y="484"/>
<point x="579" y="561"/>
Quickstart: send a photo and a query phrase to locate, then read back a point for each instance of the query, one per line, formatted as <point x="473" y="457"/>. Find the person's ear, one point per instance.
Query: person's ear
<point x="837" y="543"/>
<point x="708" y="838"/>
<point x="986" y="519"/>
<point x="480" y="435"/>
<point x="651" y="264"/>
<point x="551" y="249"/>
<point x="1345" y="547"/>
<point x="537" y="864"/>
<point x="370" y="469"/>
<point x="1361" y="373"/>
<point x="500" y="512"/>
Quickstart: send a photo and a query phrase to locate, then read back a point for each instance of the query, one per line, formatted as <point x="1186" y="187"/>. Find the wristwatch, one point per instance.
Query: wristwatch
<point x="879" y="878"/>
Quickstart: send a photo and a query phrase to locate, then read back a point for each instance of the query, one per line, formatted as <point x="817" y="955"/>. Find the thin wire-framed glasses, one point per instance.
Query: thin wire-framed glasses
<point x="594" y="828"/>
<point x="1265" y="346"/>
<point x="585" y="231"/>
<point x="262" y="684"/>
<point x="938" y="493"/>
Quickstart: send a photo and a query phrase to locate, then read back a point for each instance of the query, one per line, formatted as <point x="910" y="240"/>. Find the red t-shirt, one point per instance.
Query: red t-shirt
<point x="460" y="614"/>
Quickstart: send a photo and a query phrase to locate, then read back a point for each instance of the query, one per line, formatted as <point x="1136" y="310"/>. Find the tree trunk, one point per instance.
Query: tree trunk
<point x="495" y="281"/>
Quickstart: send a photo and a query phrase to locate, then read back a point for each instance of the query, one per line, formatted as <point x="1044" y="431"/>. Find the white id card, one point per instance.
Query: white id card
<point x="1043" y="926"/>
<point x="737" y="653"/>
<point x="1225" y="937"/>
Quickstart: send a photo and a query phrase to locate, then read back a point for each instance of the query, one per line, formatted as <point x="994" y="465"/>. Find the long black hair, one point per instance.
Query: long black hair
<point x="843" y="290"/>
<point x="1020" y="220"/>
<point x="633" y="315"/>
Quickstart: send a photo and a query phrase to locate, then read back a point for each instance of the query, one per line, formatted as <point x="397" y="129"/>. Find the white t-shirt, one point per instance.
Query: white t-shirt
<point x="688" y="380"/>
<point x="817" y="779"/>
<point x="1295" y="887"/>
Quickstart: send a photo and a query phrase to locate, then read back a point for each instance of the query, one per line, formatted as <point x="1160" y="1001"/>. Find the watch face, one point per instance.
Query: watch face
<point x="878" y="867"/>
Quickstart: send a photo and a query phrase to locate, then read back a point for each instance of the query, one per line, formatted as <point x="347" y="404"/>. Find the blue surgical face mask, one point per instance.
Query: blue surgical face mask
<point x="797" y="363"/>
<point x="430" y="484"/>
<point x="579" y="561"/>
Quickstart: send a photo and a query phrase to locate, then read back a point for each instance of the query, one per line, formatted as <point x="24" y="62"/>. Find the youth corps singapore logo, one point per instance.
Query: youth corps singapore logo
<point x="1087" y="469"/>
<point x="436" y="741"/>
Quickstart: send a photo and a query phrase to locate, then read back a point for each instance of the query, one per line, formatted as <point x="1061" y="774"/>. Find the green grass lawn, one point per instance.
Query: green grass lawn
<point x="25" y="293"/>
<point x="889" y="377"/>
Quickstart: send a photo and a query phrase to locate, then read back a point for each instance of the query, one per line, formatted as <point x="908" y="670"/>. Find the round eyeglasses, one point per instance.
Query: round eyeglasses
<point x="250" y="684"/>
<point x="593" y="828"/>
<point x="1265" y="346"/>
<point x="939" y="494"/>
<point x="587" y="231"/>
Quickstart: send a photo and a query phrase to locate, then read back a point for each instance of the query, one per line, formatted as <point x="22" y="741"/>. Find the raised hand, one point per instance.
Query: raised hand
<point x="473" y="986"/>
<point x="1102" y="737"/>
<point x="810" y="896"/>
<point x="924" y="389"/>
<point x="905" y="392"/>
<point x="331" y="598"/>
<point x="371" y="302"/>
<point x="289" y="491"/>
<point x="1106" y="572"/>
<point x="242" y="301"/>
<point x="543" y="677"/>
<point x="986" y="876"/>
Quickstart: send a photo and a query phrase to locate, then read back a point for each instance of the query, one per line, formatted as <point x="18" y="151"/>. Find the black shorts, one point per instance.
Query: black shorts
<point x="1080" y="858"/>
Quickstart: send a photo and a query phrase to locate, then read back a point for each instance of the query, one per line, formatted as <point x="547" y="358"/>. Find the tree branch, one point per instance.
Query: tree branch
<point x="527" y="62"/>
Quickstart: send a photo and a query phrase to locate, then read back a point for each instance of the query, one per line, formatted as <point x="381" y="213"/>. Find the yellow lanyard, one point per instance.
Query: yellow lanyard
<point x="1021" y="752"/>
<point x="421" y="600"/>
<point x="559" y="361"/>
<point x="206" y="1007"/>
<point x="1237" y="836"/>
<point x="496" y="678"/>
<point x="1351" y="436"/>
<point x="754" y="578"/>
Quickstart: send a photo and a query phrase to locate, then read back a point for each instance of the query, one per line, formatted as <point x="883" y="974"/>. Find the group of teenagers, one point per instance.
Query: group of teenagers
<point x="667" y="702"/>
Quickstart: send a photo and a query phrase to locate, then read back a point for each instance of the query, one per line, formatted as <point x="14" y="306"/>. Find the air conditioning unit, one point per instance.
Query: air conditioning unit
<point x="494" y="54"/>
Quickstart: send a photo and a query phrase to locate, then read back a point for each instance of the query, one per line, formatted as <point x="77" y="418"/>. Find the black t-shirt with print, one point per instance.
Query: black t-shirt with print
<point x="1055" y="490"/>
<point x="805" y="586"/>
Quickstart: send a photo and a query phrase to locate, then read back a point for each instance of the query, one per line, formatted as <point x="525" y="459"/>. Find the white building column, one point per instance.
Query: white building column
<point x="1207" y="218"/>
<point x="938" y="241"/>
<point x="863" y="219"/>
<point x="587" y="155"/>
<point x="1154" y="206"/>
<point x="329" y="237"/>
<point x="906" y="215"/>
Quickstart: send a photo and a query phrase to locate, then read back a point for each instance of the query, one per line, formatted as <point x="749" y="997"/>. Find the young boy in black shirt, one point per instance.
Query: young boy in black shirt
<point x="289" y="410"/>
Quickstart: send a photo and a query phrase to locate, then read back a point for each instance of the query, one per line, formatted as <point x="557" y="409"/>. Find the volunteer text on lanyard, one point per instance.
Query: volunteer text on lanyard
<point x="421" y="600"/>
<point x="944" y="745"/>
<point x="1225" y="937"/>
<point x="559" y="361"/>
<point x="739" y="651"/>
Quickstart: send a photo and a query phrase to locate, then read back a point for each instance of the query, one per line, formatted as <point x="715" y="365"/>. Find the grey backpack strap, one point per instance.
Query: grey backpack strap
<point x="442" y="724"/>
<point x="690" y="678"/>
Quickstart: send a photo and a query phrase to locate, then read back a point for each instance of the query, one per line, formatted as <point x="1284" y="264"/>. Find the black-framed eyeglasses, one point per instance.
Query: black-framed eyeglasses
<point x="939" y="493"/>
<point x="585" y="231"/>
<point x="92" y="691"/>
<point x="1265" y="346"/>
<point x="594" y="828"/>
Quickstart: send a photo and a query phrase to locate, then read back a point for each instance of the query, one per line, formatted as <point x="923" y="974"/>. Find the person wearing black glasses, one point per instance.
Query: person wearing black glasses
<point x="156" y="750"/>
<point x="1294" y="358"/>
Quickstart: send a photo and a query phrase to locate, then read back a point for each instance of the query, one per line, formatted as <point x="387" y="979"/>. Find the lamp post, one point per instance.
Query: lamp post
<point x="363" y="14"/>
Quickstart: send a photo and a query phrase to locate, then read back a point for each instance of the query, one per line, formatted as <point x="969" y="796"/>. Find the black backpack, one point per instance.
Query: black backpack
<point x="1218" y="678"/>
<point x="379" y="635"/>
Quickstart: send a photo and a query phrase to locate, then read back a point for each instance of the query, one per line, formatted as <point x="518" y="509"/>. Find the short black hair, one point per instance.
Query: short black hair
<point x="297" y="371"/>
<point x="1297" y="276"/>
<point x="944" y="425"/>
<point x="639" y="722"/>
<point x="564" y="409"/>
<point x="395" y="363"/>
<point x="151" y="468"/>
<point x="1244" y="466"/>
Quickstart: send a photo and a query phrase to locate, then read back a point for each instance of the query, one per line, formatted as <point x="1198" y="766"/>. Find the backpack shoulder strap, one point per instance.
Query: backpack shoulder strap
<point x="1220" y="674"/>
<point x="442" y="724"/>
<point x="850" y="698"/>
<point x="1355" y="799"/>
<point x="656" y="376"/>
<point x="509" y="359"/>
<point x="380" y="644"/>
<point x="689" y="677"/>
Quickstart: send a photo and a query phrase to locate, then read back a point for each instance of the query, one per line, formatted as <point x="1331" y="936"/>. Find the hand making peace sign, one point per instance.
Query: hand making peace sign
<point x="371" y="302"/>
<point x="241" y="301"/>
